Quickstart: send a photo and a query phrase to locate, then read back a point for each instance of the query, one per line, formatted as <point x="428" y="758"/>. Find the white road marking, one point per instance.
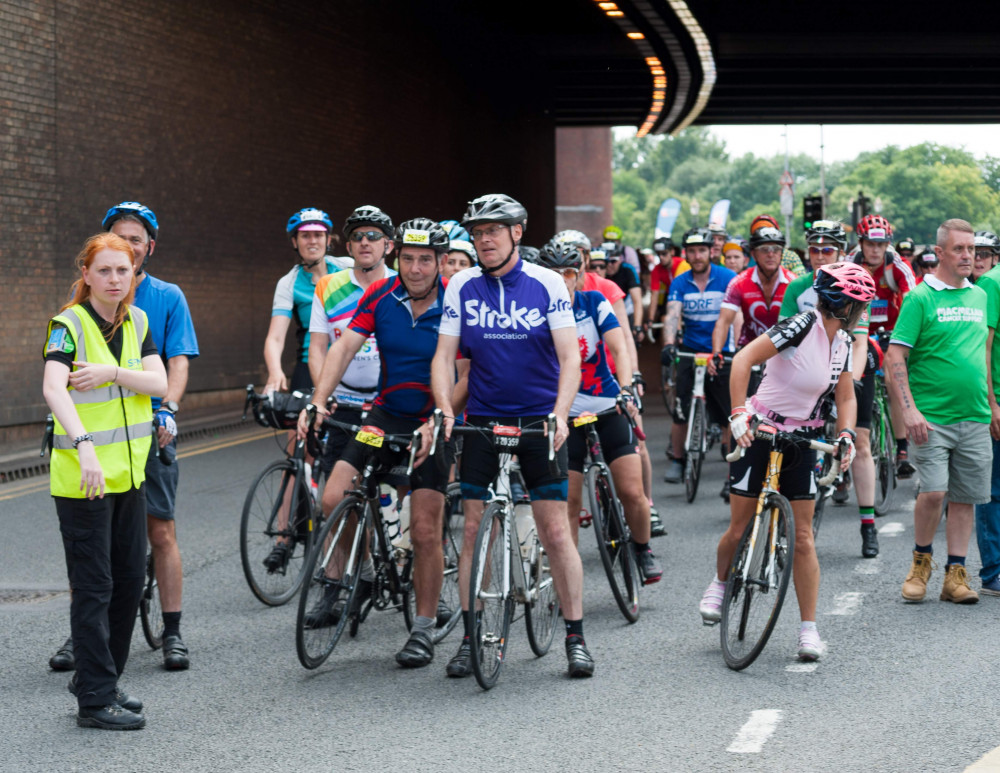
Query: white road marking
<point x="893" y="529"/>
<point x="754" y="734"/>
<point x="846" y="603"/>
<point x="867" y="567"/>
<point x="802" y="668"/>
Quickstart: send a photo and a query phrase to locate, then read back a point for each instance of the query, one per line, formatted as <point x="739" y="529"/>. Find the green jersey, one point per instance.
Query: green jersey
<point x="990" y="283"/>
<point x="945" y="329"/>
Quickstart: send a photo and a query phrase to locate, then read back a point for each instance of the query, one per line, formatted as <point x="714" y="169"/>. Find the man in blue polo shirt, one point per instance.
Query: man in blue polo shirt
<point x="695" y="300"/>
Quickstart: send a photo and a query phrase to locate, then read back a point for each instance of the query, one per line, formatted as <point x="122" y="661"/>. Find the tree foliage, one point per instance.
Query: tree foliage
<point x="918" y="186"/>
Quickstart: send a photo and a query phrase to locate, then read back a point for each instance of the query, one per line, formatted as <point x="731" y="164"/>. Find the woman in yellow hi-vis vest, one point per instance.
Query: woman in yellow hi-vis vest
<point x="101" y="366"/>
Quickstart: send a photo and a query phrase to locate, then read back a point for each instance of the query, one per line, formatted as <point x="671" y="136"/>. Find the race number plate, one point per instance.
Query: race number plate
<point x="701" y="360"/>
<point x="371" y="436"/>
<point x="584" y="418"/>
<point x="505" y="431"/>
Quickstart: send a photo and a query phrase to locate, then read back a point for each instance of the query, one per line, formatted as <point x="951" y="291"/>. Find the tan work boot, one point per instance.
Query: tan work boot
<point x="915" y="585"/>
<point x="956" y="586"/>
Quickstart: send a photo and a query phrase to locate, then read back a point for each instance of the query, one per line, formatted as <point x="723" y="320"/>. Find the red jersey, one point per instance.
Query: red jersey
<point x="746" y="294"/>
<point x="888" y="300"/>
<point x="659" y="283"/>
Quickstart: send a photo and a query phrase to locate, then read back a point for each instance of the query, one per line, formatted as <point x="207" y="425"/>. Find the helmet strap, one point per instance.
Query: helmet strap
<point x="375" y="265"/>
<point x="503" y="263"/>
<point x="409" y="297"/>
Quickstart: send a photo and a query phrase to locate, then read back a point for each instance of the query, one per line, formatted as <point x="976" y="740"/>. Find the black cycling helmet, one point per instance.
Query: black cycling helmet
<point x="766" y="235"/>
<point x="827" y="232"/>
<point x="988" y="240"/>
<point x="368" y="215"/>
<point x="905" y="244"/>
<point x="529" y="254"/>
<point x="422" y="232"/>
<point x="926" y="259"/>
<point x="695" y="236"/>
<point x="662" y="244"/>
<point x="560" y="255"/>
<point x="495" y="208"/>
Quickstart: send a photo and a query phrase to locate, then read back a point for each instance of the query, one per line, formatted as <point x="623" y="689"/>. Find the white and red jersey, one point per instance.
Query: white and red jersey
<point x="746" y="293"/>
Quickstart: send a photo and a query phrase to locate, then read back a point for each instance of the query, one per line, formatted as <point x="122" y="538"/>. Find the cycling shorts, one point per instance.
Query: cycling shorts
<point x="301" y="380"/>
<point x="716" y="393"/>
<point x="481" y="460"/>
<point x="426" y="476"/>
<point x="795" y="481"/>
<point x="615" y="433"/>
<point x="864" y="393"/>
<point x="161" y="480"/>
<point x="337" y="438"/>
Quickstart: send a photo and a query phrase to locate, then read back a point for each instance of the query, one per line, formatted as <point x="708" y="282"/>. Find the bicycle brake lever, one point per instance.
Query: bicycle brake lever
<point x="438" y="418"/>
<point x="246" y="405"/>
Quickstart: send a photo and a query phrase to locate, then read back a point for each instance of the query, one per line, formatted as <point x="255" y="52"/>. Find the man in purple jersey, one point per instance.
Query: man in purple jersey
<point x="514" y="322"/>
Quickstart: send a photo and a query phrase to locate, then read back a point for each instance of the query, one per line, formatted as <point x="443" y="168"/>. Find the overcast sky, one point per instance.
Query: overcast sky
<point x="844" y="142"/>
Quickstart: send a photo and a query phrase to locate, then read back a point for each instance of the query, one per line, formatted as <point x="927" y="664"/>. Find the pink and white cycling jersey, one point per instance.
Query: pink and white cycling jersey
<point x="806" y="370"/>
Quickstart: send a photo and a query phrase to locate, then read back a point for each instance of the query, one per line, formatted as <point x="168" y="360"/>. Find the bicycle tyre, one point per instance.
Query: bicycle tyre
<point x="150" y="611"/>
<point x="885" y="464"/>
<point x="695" y="455"/>
<point x="667" y="387"/>
<point x="613" y="542"/>
<point x="490" y="567"/>
<point x="823" y="493"/>
<point x="313" y="644"/>
<point x="541" y="613"/>
<point x="259" y="530"/>
<point x="750" y="609"/>
<point x="451" y="548"/>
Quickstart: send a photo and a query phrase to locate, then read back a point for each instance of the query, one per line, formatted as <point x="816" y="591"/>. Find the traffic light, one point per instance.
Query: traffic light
<point x="812" y="210"/>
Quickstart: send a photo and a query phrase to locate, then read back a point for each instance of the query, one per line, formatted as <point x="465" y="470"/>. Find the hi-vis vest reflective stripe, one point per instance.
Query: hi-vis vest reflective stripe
<point x="120" y="420"/>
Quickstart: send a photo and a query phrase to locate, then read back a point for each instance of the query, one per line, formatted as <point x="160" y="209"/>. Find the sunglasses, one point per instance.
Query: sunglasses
<point x="594" y="264"/>
<point x="826" y="252"/>
<point x="372" y="236"/>
<point x="568" y="272"/>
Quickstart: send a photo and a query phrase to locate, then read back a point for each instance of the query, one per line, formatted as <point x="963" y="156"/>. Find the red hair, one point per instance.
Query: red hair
<point x="81" y="290"/>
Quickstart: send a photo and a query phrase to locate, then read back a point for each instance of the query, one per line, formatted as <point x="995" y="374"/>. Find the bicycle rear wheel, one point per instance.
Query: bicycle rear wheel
<point x="823" y="493"/>
<point x="278" y="507"/>
<point x="333" y="567"/>
<point x="757" y="584"/>
<point x="613" y="542"/>
<point x="490" y="599"/>
<point x="695" y="454"/>
<point x="150" y="611"/>
<point x="541" y="613"/>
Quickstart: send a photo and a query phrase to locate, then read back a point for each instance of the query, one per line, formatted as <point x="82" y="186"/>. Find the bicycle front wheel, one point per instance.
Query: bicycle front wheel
<point x="885" y="461"/>
<point x="333" y="572"/>
<point x="490" y="600"/>
<point x="541" y="612"/>
<point x="150" y="611"/>
<point x="757" y="583"/>
<point x="823" y="493"/>
<point x="278" y="511"/>
<point x="614" y="542"/>
<point x="696" y="453"/>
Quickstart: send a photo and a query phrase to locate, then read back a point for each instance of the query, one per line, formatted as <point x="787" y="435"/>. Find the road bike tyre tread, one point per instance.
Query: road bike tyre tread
<point x="150" y="611"/>
<point x="695" y="456"/>
<point x="258" y="530"/>
<point x="541" y="614"/>
<point x="491" y="630"/>
<point x="885" y="462"/>
<point x="314" y="648"/>
<point x="738" y="602"/>
<point x="613" y="543"/>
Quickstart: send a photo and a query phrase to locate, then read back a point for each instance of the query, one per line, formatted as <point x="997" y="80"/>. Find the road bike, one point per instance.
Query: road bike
<point x="614" y="540"/>
<point x="883" y="444"/>
<point x="330" y="600"/>
<point x="509" y="563"/>
<point x="762" y="565"/>
<point x="696" y="444"/>
<point x="281" y="512"/>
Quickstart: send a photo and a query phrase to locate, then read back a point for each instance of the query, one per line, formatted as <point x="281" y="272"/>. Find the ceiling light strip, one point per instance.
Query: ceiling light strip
<point x="704" y="50"/>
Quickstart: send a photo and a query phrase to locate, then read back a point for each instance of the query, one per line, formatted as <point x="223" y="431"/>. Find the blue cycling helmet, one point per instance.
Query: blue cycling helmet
<point x="134" y="208"/>
<point x="308" y="216"/>
<point x="455" y="231"/>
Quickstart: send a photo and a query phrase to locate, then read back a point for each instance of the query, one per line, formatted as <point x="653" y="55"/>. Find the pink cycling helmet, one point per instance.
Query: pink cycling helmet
<point x="841" y="283"/>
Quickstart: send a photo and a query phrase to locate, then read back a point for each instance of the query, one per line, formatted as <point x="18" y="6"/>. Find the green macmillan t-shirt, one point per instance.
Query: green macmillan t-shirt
<point x="946" y="330"/>
<point x="990" y="283"/>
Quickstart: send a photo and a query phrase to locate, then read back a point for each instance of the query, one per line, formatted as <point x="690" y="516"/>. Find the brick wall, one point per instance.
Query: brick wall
<point x="225" y="117"/>
<point x="583" y="181"/>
